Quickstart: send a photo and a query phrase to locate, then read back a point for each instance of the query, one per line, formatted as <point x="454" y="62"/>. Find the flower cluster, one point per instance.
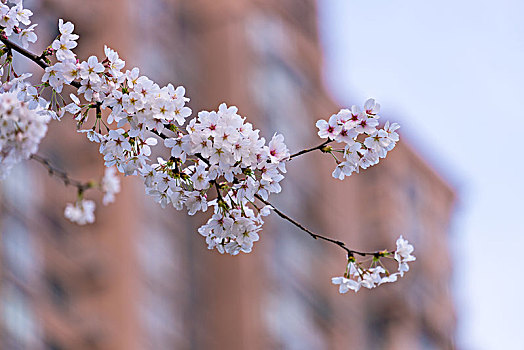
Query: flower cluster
<point x="403" y="255"/>
<point x="220" y="150"/>
<point x="364" y="143"/>
<point x="81" y="213"/>
<point x="214" y="159"/>
<point x="11" y="19"/>
<point x="357" y="276"/>
<point x="66" y="69"/>
<point x="22" y="127"/>
<point x="216" y="151"/>
<point x="235" y="153"/>
<point x="110" y="185"/>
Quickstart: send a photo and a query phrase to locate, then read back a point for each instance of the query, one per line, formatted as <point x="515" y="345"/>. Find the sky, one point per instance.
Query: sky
<point x="452" y="73"/>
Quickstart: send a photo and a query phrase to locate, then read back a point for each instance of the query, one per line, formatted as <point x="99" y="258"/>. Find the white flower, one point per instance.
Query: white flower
<point x="8" y="19"/>
<point x="366" y="124"/>
<point x="371" y="107"/>
<point x="89" y="89"/>
<point x="343" y="169"/>
<point x="357" y="276"/>
<point x="200" y="178"/>
<point x="70" y="70"/>
<point x="346" y="135"/>
<point x="133" y="102"/>
<point x="34" y="98"/>
<point x="369" y="157"/>
<point x="132" y="77"/>
<point x="247" y="189"/>
<point x="351" y="152"/>
<point x="91" y="69"/>
<point x="54" y="77"/>
<point x="277" y="149"/>
<point x="403" y="255"/>
<point x="115" y="63"/>
<point x="22" y="15"/>
<point x="81" y="213"/>
<point x="63" y="48"/>
<point x="404" y="250"/>
<point x="181" y="112"/>
<point x="329" y="129"/>
<point x="389" y="278"/>
<point x="195" y="202"/>
<point x="66" y="30"/>
<point x="177" y="147"/>
<point x="345" y="284"/>
<point x="110" y="185"/>
<point x="392" y="134"/>
<point x="73" y="107"/>
<point x="27" y="36"/>
<point x="92" y="135"/>
<point x="378" y="140"/>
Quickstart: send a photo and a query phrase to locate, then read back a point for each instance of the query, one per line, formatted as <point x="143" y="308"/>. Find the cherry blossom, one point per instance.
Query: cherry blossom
<point x="347" y="126"/>
<point x="81" y="212"/>
<point x="357" y="276"/>
<point x="211" y="161"/>
<point x="110" y="185"/>
<point x="21" y="127"/>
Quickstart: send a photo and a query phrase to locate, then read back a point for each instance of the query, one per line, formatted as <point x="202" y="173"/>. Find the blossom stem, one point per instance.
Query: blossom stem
<point x="341" y="244"/>
<point x="307" y="150"/>
<point x="62" y="175"/>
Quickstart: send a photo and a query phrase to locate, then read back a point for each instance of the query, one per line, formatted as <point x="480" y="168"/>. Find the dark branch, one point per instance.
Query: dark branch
<point x="307" y="150"/>
<point x="62" y="175"/>
<point x="341" y="244"/>
<point x="12" y="46"/>
<point x="37" y="59"/>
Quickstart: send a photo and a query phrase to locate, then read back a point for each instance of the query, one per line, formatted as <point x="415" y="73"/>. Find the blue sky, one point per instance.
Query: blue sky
<point x="452" y="72"/>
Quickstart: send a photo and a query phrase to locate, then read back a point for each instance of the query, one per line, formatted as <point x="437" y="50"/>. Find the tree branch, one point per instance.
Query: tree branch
<point x="11" y="45"/>
<point x="83" y="186"/>
<point x="341" y="244"/>
<point x="307" y="150"/>
<point x="37" y="59"/>
<point x="68" y="181"/>
<point x="62" y="175"/>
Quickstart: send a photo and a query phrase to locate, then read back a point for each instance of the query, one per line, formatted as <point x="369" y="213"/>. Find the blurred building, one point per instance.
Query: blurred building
<point x="142" y="278"/>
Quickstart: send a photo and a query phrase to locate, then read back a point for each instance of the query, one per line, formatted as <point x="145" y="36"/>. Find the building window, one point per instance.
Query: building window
<point x="17" y="317"/>
<point x="17" y="248"/>
<point x="53" y="345"/>
<point x="57" y="291"/>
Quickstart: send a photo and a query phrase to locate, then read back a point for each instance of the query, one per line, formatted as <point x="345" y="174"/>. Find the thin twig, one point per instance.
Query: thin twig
<point x="98" y="111"/>
<point x="159" y="134"/>
<point x="307" y="150"/>
<point x="341" y="244"/>
<point x="62" y="175"/>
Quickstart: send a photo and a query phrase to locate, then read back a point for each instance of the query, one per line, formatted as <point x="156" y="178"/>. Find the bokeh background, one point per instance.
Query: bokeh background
<point x="142" y="278"/>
